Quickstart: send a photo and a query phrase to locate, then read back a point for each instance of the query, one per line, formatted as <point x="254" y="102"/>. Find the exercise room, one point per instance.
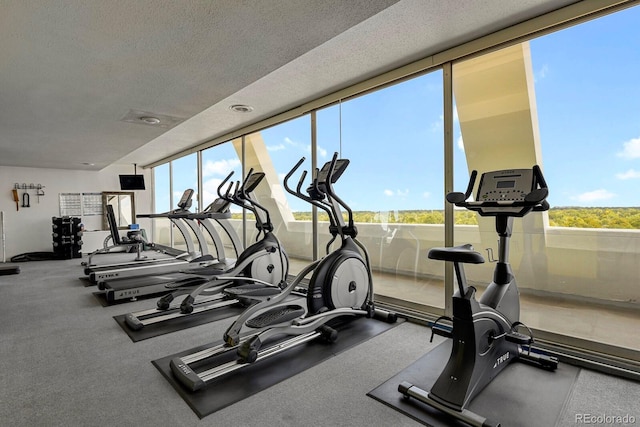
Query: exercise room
<point x="328" y="213"/>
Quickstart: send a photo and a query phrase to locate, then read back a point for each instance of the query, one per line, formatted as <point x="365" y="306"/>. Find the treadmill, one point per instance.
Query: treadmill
<point x="98" y="274"/>
<point x="156" y="284"/>
<point x="120" y="245"/>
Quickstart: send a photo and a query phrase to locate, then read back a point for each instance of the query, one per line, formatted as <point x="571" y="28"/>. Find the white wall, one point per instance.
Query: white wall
<point x="29" y="229"/>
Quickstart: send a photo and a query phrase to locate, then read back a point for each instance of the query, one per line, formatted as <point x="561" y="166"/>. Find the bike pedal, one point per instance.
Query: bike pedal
<point x="443" y="332"/>
<point x="518" y="338"/>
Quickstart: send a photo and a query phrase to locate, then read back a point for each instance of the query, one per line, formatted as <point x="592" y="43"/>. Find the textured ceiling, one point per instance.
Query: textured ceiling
<point x="72" y="70"/>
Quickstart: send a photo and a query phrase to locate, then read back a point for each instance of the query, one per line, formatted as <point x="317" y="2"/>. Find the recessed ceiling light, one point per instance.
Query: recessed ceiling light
<point x="240" y="108"/>
<point x="88" y="164"/>
<point x="150" y="120"/>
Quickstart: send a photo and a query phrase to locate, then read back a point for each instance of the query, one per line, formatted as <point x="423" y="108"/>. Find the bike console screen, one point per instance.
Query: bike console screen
<point x="505" y="186"/>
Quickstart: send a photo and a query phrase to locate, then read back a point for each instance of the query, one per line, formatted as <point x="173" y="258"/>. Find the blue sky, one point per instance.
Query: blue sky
<point x="588" y="98"/>
<point x="588" y="103"/>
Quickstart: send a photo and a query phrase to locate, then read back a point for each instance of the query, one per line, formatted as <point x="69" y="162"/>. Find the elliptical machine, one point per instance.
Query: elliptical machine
<point x="264" y="263"/>
<point x="485" y="333"/>
<point x="260" y="269"/>
<point x="341" y="286"/>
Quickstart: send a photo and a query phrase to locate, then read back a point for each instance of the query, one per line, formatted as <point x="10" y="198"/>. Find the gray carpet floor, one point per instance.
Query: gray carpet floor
<point x="66" y="362"/>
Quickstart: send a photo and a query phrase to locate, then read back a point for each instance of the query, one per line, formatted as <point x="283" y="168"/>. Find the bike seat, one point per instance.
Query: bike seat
<point x="462" y="253"/>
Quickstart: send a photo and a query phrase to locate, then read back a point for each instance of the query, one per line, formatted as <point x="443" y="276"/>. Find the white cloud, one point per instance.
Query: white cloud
<point x="594" y="196"/>
<point x="426" y="194"/>
<point x="541" y="73"/>
<point x="209" y="190"/>
<point x="460" y="143"/>
<point x="456" y="119"/>
<point x="438" y="124"/>
<point x="399" y="193"/>
<point x="631" y="149"/>
<point x="630" y="174"/>
<point x="275" y="147"/>
<point x="219" y="167"/>
<point x="322" y="153"/>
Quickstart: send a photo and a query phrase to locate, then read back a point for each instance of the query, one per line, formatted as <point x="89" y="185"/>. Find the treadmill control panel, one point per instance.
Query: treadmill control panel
<point x="185" y="200"/>
<point x="217" y="206"/>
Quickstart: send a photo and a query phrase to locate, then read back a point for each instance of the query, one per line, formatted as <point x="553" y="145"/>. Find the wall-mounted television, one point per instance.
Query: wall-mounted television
<point x="132" y="182"/>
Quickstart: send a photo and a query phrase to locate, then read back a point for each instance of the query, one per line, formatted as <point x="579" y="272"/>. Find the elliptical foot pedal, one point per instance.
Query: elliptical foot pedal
<point x="275" y="316"/>
<point x="251" y="290"/>
<point x="328" y="333"/>
<point x="133" y="322"/>
<point x="191" y="282"/>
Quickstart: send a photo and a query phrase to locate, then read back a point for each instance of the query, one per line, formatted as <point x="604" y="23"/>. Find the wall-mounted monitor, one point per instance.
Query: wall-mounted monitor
<point x="131" y="182"/>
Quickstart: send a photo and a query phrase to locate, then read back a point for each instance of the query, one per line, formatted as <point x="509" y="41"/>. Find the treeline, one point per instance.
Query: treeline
<point x="624" y="218"/>
<point x="595" y="217"/>
<point x="398" y="217"/>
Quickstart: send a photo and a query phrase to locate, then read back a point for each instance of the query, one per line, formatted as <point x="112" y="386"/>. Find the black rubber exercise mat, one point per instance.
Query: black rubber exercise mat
<point x="7" y="269"/>
<point x="102" y="298"/>
<point x="521" y="396"/>
<point x="179" y="323"/>
<point x="261" y="375"/>
<point x="86" y="282"/>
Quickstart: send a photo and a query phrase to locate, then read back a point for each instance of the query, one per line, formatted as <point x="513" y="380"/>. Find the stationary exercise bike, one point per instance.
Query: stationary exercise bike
<point x="486" y="333"/>
<point x="340" y="287"/>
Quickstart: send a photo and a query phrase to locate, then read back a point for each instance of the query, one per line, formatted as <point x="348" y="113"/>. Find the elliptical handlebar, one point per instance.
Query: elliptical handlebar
<point x="237" y="194"/>
<point x="317" y="192"/>
<point x="261" y="225"/>
<point x="333" y="195"/>
<point x="291" y="172"/>
<point x="297" y="192"/>
<point x="219" y="189"/>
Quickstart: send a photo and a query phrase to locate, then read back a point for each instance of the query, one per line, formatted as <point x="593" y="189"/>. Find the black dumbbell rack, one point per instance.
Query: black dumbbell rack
<point x="67" y="237"/>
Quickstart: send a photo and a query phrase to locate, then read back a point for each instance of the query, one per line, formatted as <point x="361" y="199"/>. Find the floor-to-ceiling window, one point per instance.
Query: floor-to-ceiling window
<point x="219" y="163"/>
<point x="184" y="176"/>
<point x="162" y="203"/>
<point x="568" y="101"/>
<point x="588" y="101"/>
<point x="275" y="151"/>
<point x="394" y="183"/>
